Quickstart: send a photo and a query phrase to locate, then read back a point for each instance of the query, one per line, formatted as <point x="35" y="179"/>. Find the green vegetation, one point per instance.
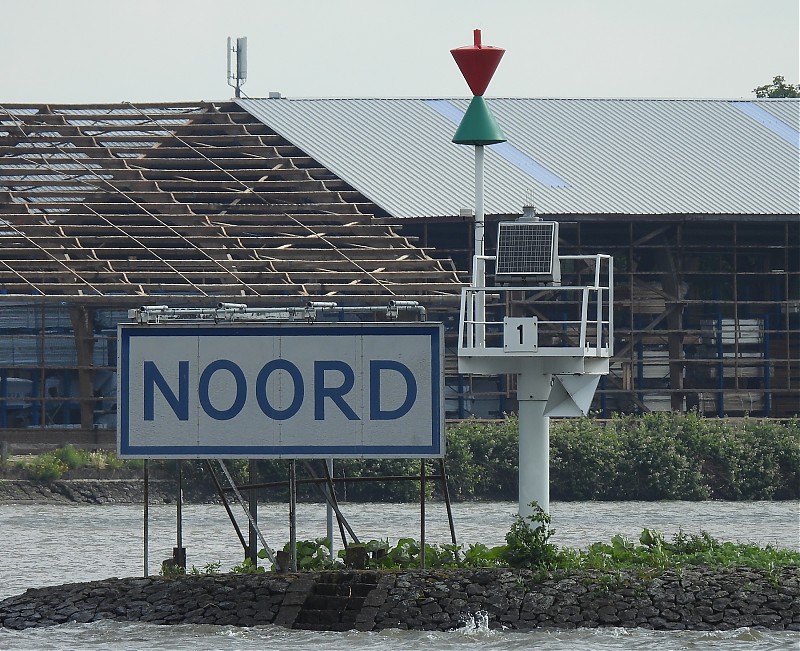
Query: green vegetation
<point x="528" y="546"/>
<point x="212" y="567"/>
<point x="54" y="465"/>
<point x="247" y="567"/>
<point x="778" y="88"/>
<point x="45" y="467"/>
<point x="657" y="456"/>
<point x="527" y="543"/>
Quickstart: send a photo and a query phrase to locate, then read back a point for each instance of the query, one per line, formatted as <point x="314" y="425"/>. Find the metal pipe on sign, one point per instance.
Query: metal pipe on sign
<point x="293" y="514"/>
<point x="253" y="506"/>
<point x="146" y="532"/>
<point x="179" y="556"/>
<point x="240" y="500"/>
<point x="422" y="514"/>
<point x="227" y="506"/>
<point x="329" y="507"/>
<point x="340" y="519"/>
<point x="448" y="506"/>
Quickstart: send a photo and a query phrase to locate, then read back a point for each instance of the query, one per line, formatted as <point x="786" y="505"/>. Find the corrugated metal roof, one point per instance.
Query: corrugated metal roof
<point x="611" y="156"/>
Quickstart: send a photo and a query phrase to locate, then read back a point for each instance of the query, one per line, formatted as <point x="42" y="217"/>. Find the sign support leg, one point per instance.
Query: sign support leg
<point x="146" y="532"/>
<point x="293" y="514"/>
<point x="533" y="390"/>
<point x="330" y="497"/>
<point x="224" y="499"/>
<point x="448" y="506"/>
<point x="328" y="506"/>
<point x="422" y="488"/>
<point x="252" y="497"/>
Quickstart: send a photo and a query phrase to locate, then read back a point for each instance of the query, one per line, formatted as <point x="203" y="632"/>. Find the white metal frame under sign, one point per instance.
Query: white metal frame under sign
<point x="280" y="390"/>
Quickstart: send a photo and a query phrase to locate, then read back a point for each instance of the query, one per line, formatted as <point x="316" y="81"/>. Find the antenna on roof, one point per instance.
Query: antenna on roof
<point x="237" y="78"/>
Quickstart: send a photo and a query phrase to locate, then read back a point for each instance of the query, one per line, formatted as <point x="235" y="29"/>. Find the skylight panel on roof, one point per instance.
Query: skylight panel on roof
<point x="28" y="110"/>
<point x="141" y="144"/>
<point x="127" y="133"/>
<point x="777" y="126"/>
<point x="50" y="199"/>
<point x="506" y="150"/>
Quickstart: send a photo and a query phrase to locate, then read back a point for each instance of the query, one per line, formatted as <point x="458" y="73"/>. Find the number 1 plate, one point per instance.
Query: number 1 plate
<point x="520" y="334"/>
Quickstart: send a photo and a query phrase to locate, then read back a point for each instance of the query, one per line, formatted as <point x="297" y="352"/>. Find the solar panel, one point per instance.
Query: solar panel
<point x="528" y="249"/>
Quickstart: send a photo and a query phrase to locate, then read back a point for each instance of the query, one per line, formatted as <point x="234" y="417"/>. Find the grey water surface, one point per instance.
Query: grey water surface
<point x="52" y="544"/>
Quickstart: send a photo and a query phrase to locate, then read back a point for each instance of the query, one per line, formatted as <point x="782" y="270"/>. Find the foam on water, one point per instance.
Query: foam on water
<point x="475" y="624"/>
<point x="119" y="636"/>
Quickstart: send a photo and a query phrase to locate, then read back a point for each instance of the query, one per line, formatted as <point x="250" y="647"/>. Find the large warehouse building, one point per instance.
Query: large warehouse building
<point x="280" y="202"/>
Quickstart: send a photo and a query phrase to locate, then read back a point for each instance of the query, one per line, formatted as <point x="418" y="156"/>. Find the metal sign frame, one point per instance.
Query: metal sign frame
<point x="410" y="352"/>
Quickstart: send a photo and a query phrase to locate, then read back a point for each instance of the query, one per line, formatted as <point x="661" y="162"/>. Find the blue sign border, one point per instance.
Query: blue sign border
<point x="434" y="331"/>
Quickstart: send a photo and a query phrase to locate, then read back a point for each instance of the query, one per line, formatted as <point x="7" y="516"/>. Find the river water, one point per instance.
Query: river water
<point x="51" y="544"/>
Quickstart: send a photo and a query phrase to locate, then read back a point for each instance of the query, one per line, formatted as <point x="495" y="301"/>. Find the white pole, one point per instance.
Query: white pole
<point x="480" y="265"/>
<point x="533" y="389"/>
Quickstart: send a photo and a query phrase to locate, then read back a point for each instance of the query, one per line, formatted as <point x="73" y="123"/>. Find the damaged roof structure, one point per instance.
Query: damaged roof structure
<point x="280" y="202"/>
<point x="118" y="202"/>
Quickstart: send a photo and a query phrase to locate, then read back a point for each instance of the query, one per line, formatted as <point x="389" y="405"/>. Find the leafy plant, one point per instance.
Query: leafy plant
<point x="247" y="567"/>
<point x="71" y="456"/>
<point x="212" y="567"/>
<point x="103" y="460"/>
<point x="527" y="543"/>
<point x="45" y="467"/>
<point x="311" y="554"/>
<point x="479" y="555"/>
<point x="171" y="569"/>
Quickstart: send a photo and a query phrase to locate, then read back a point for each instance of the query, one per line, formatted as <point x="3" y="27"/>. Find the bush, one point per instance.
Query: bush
<point x="482" y="459"/>
<point x="584" y="459"/>
<point x="657" y="456"/>
<point x="528" y="546"/>
<point x="527" y="543"/>
<point x="45" y="467"/>
<point x="71" y="457"/>
<point x="100" y="459"/>
<point x="655" y="463"/>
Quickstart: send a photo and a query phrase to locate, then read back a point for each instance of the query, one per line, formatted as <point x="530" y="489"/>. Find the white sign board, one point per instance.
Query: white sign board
<point x="286" y="390"/>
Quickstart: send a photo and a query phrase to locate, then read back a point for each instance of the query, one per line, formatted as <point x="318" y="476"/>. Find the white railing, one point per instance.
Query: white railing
<point x="584" y="328"/>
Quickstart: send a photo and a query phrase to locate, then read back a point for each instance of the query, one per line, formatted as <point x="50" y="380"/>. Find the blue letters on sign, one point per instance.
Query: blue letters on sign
<point x="375" y="368"/>
<point x="323" y="370"/>
<point x="334" y="393"/>
<point x="241" y="390"/>
<point x="261" y="389"/>
<point x="179" y="404"/>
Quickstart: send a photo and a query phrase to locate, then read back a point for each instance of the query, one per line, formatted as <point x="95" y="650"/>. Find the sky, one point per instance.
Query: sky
<point x="84" y="51"/>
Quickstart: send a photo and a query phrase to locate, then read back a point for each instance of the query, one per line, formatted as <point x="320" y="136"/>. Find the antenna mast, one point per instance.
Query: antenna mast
<point x="236" y="78"/>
